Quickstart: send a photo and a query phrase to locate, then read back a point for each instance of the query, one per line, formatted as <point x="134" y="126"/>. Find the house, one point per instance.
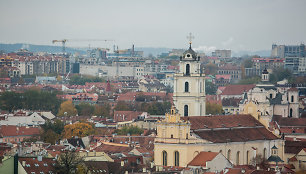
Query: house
<point x="209" y="162"/>
<point x="37" y="165"/>
<point x="299" y="160"/>
<point x="126" y="115"/>
<point x="236" y="91"/>
<point x="16" y="134"/>
<point x="231" y="105"/>
<point x="34" y="119"/>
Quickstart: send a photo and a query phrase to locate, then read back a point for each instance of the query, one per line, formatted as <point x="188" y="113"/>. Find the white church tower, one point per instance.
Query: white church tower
<point x="189" y="85"/>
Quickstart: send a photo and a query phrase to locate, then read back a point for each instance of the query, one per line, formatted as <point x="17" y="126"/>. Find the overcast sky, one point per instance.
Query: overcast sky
<point x="223" y="24"/>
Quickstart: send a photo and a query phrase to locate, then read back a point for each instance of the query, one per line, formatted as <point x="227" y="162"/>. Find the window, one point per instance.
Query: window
<point x="292" y="98"/>
<point x="247" y="157"/>
<point x="186" y="110"/>
<point x="176" y="158"/>
<point x="186" y="87"/>
<point x="188" y="69"/>
<point x="270" y="95"/>
<point x="264" y="153"/>
<point x="229" y="154"/>
<point x="237" y="158"/>
<point x="290" y="112"/>
<point x="171" y="135"/>
<point x="164" y="158"/>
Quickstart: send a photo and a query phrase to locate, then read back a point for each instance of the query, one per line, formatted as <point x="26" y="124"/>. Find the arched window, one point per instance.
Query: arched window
<point x="264" y="153"/>
<point x="164" y="158"/>
<point x="229" y="154"/>
<point x="238" y="158"/>
<point x="176" y="158"/>
<point x="188" y="69"/>
<point x="247" y="157"/>
<point x="186" y="87"/>
<point x="270" y="95"/>
<point x="290" y="112"/>
<point x="292" y="98"/>
<point x="186" y="110"/>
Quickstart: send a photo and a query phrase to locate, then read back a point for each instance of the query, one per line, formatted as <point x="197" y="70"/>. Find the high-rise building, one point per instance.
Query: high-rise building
<point x="189" y="86"/>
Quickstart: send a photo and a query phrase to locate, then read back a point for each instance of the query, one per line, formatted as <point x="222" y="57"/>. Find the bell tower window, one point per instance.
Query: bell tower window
<point x="187" y="69"/>
<point x="186" y="110"/>
<point x="186" y="87"/>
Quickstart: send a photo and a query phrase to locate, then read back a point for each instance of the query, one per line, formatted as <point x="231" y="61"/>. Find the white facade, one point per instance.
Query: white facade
<point x="189" y="86"/>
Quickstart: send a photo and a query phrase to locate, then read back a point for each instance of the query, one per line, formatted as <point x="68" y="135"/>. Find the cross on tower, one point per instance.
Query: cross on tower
<point x="190" y="37"/>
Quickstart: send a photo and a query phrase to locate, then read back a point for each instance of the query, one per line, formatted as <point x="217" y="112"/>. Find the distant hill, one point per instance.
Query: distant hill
<point x="37" y="48"/>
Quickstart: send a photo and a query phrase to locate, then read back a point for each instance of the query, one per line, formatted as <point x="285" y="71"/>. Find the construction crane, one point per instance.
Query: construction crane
<point x="78" y="40"/>
<point x="63" y="43"/>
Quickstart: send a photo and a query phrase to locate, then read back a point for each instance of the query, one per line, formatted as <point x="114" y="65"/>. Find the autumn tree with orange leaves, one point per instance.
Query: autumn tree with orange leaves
<point x="67" y="109"/>
<point x="78" y="129"/>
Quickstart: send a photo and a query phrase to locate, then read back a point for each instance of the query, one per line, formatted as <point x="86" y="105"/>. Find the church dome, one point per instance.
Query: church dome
<point x="189" y="55"/>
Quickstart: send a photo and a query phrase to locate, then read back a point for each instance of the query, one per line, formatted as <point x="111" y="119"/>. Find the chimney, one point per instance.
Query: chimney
<point x="39" y="158"/>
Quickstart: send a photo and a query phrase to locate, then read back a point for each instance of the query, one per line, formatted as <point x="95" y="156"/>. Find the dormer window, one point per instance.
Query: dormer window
<point x="188" y="55"/>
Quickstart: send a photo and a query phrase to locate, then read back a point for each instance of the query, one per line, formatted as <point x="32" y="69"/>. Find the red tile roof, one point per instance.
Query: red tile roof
<point x="112" y="148"/>
<point x="236" y="135"/>
<point x="222" y="121"/>
<point x="9" y="130"/>
<point x="202" y="158"/>
<point x="33" y="165"/>
<point x="237" y="89"/>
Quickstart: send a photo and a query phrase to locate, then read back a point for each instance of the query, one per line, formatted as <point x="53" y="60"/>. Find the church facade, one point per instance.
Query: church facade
<point x="189" y="86"/>
<point x="239" y="138"/>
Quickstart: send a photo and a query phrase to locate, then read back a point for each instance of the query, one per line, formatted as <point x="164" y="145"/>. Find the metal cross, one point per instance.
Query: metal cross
<point x="190" y="37"/>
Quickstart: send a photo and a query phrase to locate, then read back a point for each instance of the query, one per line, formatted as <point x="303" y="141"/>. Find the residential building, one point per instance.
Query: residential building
<point x="222" y="53"/>
<point x="232" y="70"/>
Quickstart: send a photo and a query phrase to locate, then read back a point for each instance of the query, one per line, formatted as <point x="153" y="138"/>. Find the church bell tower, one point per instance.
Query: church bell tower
<point x="189" y="85"/>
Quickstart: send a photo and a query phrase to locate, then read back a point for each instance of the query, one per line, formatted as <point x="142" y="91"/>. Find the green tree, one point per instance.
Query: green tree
<point x="67" y="109"/>
<point x="210" y="88"/>
<point x="158" y="108"/>
<point x="281" y="74"/>
<point x="51" y="131"/>
<point x="247" y="63"/>
<point x="252" y="80"/>
<point x="10" y="101"/>
<point x="213" y="109"/>
<point x="103" y="110"/>
<point x="123" y="106"/>
<point x="211" y="68"/>
<point x="132" y="130"/>
<point x="85" y="109"/>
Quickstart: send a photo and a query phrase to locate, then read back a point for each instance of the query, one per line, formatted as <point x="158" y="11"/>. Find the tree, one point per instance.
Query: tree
<point x="67" y="109"/>
<point x="51" y="131"/>
<point x="68" y="162"/>
<point x="260" y="161"/>
<point x="252" y="80"/>
<point x="132" y="130"/>
<point x="210" y="88"/>
<point x="103" y="110"/>
<point x="85" y="109"/>
<point x="10" y="101"/>
<point x="78" y="129"/>
<point x="281" y="74"/>
<point x="247" y="63"/>
<point x="211" y="69"/>
<point x="158" y="108"/>
<point x="213" y="109"/>
<point x="123" y="106"/>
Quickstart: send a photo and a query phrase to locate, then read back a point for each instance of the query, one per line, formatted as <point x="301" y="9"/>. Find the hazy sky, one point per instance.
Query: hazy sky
<point x="223" y="24"/>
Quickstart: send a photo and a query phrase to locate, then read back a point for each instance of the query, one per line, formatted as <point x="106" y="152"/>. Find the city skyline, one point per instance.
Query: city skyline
<point x="236" y="25"/>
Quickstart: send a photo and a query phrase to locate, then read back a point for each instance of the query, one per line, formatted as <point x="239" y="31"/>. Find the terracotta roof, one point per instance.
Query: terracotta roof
<point x="237" y="89"/>
<point x="202" y="158"/>
<point x="10" y="130"/>
<point x="111" y="149"/>
<point x="288" y="122"/>
<point x="236" y="135"/>
<point x="34" y="165"/>
<point x="222" y="121"/>
<point x="231" y="102"/>
<point x="294" y="147"/>
<point x="224" y="76"/>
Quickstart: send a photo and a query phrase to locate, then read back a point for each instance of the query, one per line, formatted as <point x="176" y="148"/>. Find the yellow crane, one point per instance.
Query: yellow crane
<point x="63" y="41"/>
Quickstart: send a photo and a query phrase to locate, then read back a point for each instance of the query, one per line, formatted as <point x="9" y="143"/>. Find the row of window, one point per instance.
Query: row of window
<point x="176" y="158"/>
